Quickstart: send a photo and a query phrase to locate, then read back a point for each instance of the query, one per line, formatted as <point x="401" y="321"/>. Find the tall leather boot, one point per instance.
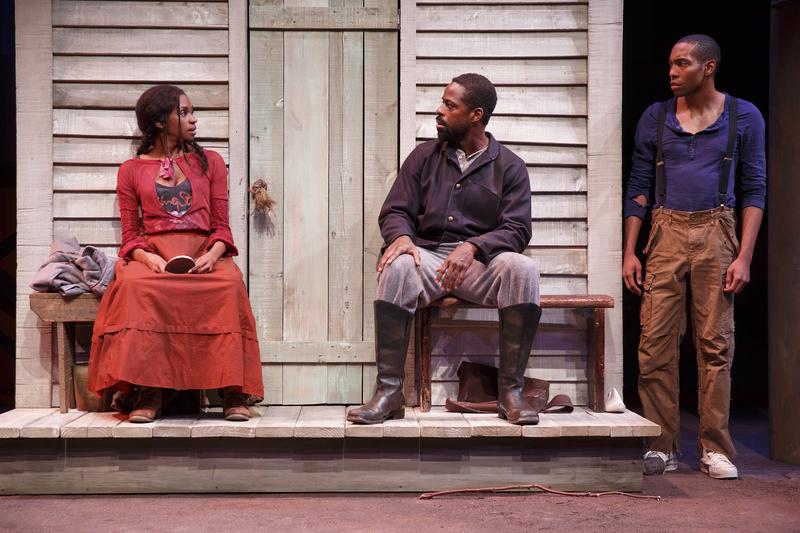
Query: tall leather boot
<point x="518" y="325"/>
<point x="392" y="331"/>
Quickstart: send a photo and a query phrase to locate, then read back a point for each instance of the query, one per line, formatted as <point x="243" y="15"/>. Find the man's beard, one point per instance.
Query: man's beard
<point x="445" y="134"/>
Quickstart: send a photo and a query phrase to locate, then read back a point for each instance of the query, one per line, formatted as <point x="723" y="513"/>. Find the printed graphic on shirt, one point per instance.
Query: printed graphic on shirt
<point x="176" y="200"/>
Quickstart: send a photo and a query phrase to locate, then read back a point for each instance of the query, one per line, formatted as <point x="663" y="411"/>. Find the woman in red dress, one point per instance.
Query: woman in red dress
<point x="157" y="330"/>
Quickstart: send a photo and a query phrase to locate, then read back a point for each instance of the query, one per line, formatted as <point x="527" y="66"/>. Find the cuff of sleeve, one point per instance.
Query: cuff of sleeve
<point x="126" y="252"/>
<point x="230" y="249"/>
<point x="753" y="202"/>
<point x="476" y="241"/>
<point x="632" y="208"/>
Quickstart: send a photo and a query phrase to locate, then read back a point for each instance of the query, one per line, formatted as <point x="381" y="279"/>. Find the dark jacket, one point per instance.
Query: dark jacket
<point x="433" y="203"/>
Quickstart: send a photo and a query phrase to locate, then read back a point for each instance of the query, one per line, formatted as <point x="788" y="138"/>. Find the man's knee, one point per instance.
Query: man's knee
<point x="517" y="265"/>
<point x="402" y="267"/>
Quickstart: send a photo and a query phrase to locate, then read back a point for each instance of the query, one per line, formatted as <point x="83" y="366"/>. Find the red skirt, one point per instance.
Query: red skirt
<point x="176" y="331"/>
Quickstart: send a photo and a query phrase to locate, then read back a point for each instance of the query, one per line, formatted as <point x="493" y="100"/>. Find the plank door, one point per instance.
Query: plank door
<point x="323" y="134"/>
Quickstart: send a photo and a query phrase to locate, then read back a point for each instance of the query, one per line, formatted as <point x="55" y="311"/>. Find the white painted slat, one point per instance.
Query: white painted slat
<point x="503" y="2"/>
<point x="92" y="425"/>
<point x="213" y="424"/>
<point x="549" y="130"/>
<point x="11" y="422"/>
<point x="175" y="426"/>
<point x="140" y="69"/>
<point x="369" y="376"/>
<point x="563" y="285"/>
<point x="142" y="14"/>
<point x="516" y="44"/>
<point x="438" y="423"/>
<point x="320" y="421"/>
<point x="549" y="206"/>
<point x="559" y="260"/>
<point x="503" y="71"/>
<point x="484" y="17"/>
<point x="517" y="100"/>
<point x="558" y="233"/>
<point x="406" y="427"/>
<point x="124" y="95"/>
<point x="305" y="237"/>
<point x="491" y="425"/>
<point x="88" y="231"/>
<point x="278" y="421"/>
<point x="346" y="189"/>
<point x="629" y="424"/>
<point x="48" y="427"/>
<point x="122" y="123"/>
<point x="548" y="426"/>
<point x="550" y="368"/>
<point x="88" y="178"/>
<point x="273" y="384"/>
<point x="139" y="41"/>
<point x="371" y="431"/>
<point x="78" y="150"/>
<point x="266" y="162"/>
<point x="557" y="179"/>
<point x="78" y="205"/>
<point x="550" y="155"/>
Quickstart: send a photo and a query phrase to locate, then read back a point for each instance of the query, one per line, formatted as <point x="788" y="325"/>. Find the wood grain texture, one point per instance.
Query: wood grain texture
<point x="11" y="422"/>
<point x="34" y="160"/>
<point x="438" y="423"/>
<point x="124" y="95"/>
<point x="139" y="14"/>
<point x="503" y="71"/>
<point x="138" y="41"/>
<point x="510" y="44"/>
<point x="348" y="17"/>
<point x="487" y="17"/>
<point x="266" y="162"/>
<point x="604" y="161"/>
<point x="212" y="424"/>
<point x="305" y="237"/>
<point x="517" y="100"/>
<point x="320" y="421"/>
<point x="92" y="425"/>
<point x="237" y="132"/>
<point x="140" y="69"/>
<point x="278" y="421"/>
<point x="48" y="427"/>
<point x="346" y="186"/>
<point x="490" y="425"/>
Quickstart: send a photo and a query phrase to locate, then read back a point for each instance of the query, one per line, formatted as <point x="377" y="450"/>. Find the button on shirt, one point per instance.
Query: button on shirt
<point x="434" y="201"/>
<point x="693" y="162"/>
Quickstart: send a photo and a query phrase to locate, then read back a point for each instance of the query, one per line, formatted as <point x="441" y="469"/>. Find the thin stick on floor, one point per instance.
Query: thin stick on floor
<point x="543" y="488"/>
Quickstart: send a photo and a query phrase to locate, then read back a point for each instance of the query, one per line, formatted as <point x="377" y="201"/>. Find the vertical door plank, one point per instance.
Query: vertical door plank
<point x="345" y="235"/>
<point x="344" y="384"/>
<point x="380" y="146"/>
<point x="305" y="384"/>
<point x="237" y="129"/>
<point x="305" y="237"/>
<point x="266" y="162"/>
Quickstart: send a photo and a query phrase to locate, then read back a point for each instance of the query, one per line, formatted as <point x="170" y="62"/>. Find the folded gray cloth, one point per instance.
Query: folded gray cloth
<point x="72" y="270"/>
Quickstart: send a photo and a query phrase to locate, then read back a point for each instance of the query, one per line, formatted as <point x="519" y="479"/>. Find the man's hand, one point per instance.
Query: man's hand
<point x="154" y="262"/>
<point x="632" y="273"/>
<point x="451" y="273"/>
<point x="737" y="276"/>
<point x="205" y="263"/>
<point x="401" y="245"/>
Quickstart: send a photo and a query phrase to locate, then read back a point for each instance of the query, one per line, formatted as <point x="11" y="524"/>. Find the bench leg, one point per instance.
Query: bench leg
<point x="595" y="358"/>
<point x="424" y="330"/>
<point x="65" y="346"/>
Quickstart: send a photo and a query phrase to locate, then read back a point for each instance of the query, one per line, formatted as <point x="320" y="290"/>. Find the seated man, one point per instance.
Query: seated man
<point x="456" y="220"/>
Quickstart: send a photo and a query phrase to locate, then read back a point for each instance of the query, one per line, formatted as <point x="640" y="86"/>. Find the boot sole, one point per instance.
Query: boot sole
<point x="520" y="421"/>
<point x="397" y="414"/>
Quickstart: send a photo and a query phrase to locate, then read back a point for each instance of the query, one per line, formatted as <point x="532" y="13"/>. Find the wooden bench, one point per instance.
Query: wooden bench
<point x="592" y="305"/>
<point x="63" y="314"/>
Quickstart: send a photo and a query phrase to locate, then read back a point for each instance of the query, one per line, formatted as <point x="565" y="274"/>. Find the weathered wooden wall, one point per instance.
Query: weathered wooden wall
<point x="339" y="92"/>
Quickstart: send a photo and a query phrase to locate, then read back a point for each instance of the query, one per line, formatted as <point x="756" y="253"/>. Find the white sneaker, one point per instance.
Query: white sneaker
<point x="659" y="462"/>
<point x="718" y="466"/>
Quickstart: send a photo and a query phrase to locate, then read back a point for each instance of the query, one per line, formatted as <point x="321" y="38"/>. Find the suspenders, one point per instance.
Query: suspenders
<point x="727" y="160"/>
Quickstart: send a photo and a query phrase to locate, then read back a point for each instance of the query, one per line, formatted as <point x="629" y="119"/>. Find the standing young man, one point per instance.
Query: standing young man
<point x="455" y="222"/>
<point x="687" y="153"/>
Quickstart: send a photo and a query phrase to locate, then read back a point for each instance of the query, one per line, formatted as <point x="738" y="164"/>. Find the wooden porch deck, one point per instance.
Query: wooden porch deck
<point x="318" y="421"/>
<point x="313" y="449"/>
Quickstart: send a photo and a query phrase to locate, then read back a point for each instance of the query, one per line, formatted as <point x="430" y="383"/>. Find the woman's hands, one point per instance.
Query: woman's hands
<point x="154" y="262"/>
<point x="205" y="263"/>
